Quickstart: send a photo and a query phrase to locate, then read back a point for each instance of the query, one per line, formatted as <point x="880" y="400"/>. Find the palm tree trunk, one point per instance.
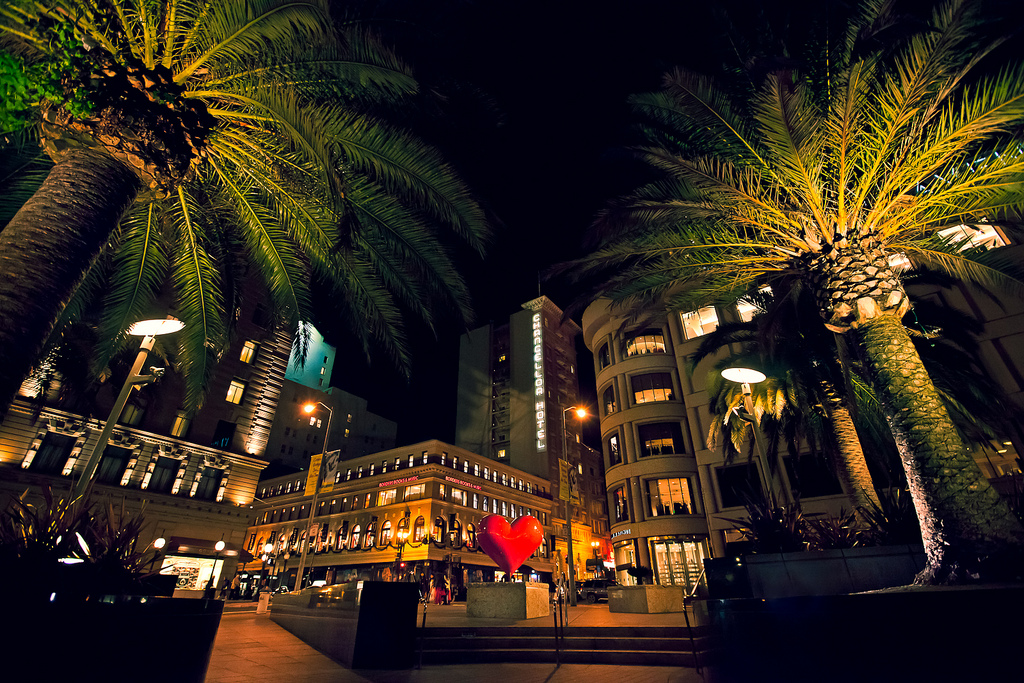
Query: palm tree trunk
<point x="48" y="247"/>
<point x="851" y="466"/>
<point x="966" y="527"/>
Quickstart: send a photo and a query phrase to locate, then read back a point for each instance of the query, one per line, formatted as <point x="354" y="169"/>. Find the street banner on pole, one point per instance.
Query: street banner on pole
<point x="314" y="472"/>
<point x="563" y="480"/>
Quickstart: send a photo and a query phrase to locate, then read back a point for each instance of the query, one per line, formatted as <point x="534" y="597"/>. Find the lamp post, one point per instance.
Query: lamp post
<point x="745" y="377"/>
<point x="267" y="549"/>
<point x="309" y="409"/>
<point x="403" y="534"/>
<point x="148" y="330"/>
<point x="580" y="413"/>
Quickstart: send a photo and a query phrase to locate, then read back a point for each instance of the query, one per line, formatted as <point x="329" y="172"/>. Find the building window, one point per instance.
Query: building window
<point x="648" y="341"/>
<point x="476" y="501"/>
<point x="620" y="504"/>
<point x="371" y="470"/>
<point x="248" y="352"/>
<point x="181" y="423"/>
<point x="458" y="496"/>
<point x="608" y="400"/>
<point x="53" y="454"/>
<point x="660" y="438"/>
<point x="487" y="473"/>
<point x="414" y="492"/>
<point x="235" y="391"/>
<point x="112" y="465"/>
<point x="614" y="451"/>
<point x="486" y="503"/>
<point x="669" y="497"/>
<point x="132" y="414"/>
<point x="736" y="483"/>
<point x="353" y="542"/>
<point x="368" y="538"/>
<point x="165" y="470"/>
<point x="209" y="483"/>
<point x="412" y="460"/>
<point x="604" y="357"/>
<point x="700" y="322"/>
<point x="419" y="530"/>
<point x="386" y="497"/>
<point x="385" y="534"/>
<point x="653" y="387"/>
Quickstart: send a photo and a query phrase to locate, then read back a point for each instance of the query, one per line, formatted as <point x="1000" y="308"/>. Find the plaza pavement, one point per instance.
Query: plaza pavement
<point x="250" y="647"/>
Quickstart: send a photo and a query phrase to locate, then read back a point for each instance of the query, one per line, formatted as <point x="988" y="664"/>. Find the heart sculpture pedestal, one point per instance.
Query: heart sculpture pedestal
<point x="515" y="601"/>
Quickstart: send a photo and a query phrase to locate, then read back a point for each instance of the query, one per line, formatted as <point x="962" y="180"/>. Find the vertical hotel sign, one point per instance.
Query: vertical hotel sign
<point x="539" y="395"/>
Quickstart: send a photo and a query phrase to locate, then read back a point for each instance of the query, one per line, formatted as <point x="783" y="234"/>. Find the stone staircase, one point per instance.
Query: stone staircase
<point x="626" y="645"/>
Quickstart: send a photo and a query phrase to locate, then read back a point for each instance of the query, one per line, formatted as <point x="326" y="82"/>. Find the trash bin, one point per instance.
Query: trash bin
<point x="264" y="605"/>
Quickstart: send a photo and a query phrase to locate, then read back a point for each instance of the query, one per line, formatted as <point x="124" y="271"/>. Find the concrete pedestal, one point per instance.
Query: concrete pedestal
<point x="527" y="600"/>
<point x="645" y="599"/>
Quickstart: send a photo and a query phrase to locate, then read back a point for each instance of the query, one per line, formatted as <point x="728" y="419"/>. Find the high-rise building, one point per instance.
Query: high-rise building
<point x="517" y="387"/>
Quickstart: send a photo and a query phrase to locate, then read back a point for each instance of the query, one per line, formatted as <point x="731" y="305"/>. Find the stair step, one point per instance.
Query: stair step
<point x="621" y="657"/>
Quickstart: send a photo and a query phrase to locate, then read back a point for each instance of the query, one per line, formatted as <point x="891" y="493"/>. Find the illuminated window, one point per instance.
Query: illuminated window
<point x="669" y="497"/>
<point x="648" y="341"/>
<point x="180" y="426"/>
<point x="414" y="492"/>
<point x="371" y="469"/>
<point x="235" y="391"/>
<point x="653" y="387"/>
<point x="661" y="438"/>
<point x="700" y="322"/>
<point x="620" y="505"/>
<point x="476" y="469"/>
<point x="386" y="497"/>
<point x="312" y="421"/>
<point x="487" y="473"/>
<point x="608" y="400"/>
<point x="419" y="530"/>
<point x="458" y="496"/>
<point x="354" y="540"/>
<point x="248" y="352"/>
<point x="747" y="308"/>
<point x="385" y="534"/>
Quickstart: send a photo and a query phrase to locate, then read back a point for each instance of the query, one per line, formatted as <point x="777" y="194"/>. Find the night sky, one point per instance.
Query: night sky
<point x="536" y="137"/>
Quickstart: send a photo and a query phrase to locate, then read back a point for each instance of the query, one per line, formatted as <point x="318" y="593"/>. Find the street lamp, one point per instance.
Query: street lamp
<point x="148" y="330"/>
<point x="403" y="534"/>
<point x="580" y="414"/>
<point x="267" y="549"/>
<point x="309" y="409"/>
<point x="745" y="377"/>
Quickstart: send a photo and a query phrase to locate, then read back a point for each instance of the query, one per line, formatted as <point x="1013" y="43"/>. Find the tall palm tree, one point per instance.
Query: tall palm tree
<point x="830" y="174"/>
<point x="198" y="143"/>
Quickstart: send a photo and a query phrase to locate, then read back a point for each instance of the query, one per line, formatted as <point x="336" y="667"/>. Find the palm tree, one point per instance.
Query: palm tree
<point x="831" y="175"/>
<point x="196" y="144"/>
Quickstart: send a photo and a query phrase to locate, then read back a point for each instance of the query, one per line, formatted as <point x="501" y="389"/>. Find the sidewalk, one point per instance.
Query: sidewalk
<point x="250" y="647"/>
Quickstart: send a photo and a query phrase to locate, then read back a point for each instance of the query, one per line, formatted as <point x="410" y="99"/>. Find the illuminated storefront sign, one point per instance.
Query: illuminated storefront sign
<point x="624" y="532"/>
<point x="397" y="481"/>
<point x="463" y="483"/>
<point x="538" y="381"/>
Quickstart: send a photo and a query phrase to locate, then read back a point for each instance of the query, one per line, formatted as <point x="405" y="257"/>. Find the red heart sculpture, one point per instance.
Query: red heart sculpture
<point x="509" y="544"/>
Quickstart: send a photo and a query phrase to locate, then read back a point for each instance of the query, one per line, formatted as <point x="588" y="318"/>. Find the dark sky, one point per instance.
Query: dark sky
<point x="556" y="74"/>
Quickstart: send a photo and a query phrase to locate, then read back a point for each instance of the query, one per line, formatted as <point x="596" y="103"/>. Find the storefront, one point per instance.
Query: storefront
<point x="679" y="560"/>
<point x="199" y="564"/>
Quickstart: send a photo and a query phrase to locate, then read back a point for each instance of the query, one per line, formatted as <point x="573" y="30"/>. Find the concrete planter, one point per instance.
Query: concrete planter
<point x="362" y="624"/>
<point x="893" y="636"/>
<point x="832" y="572"/>
<point x="110" y="638"/>
<point x="527" y="600"/>
<point x="645" y="599"/>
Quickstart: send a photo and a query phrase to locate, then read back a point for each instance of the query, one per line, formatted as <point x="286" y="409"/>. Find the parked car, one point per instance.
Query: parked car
<point x="593" y="590"/>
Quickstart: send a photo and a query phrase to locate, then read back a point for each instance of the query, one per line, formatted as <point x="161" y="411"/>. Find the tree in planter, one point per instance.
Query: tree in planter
<point x="641" y="574"/>
<point x="202" y="144"/>
<point x="830" y="173"/>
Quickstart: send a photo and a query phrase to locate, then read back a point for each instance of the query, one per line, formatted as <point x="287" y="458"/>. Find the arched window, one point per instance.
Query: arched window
<point x="385" y="534"/>
<point x="354" y="541"/>
<point x="470" y="536"/>
<point x="439" y="528"/>
<point x="368" y="537"/>
<point x="419" y="530"/>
